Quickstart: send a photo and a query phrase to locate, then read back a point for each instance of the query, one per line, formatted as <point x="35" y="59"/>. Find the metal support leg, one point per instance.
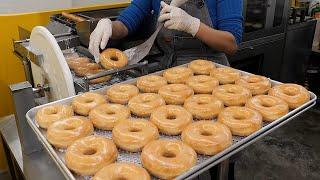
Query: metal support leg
<point x="37" y="163"/>
<point x="23" y="99"/>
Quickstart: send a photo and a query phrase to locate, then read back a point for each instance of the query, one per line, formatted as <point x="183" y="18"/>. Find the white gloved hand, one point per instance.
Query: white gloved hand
<point x="177" y="3"/>
<point x="177" y="19"/>
<point x="100" y="37"/>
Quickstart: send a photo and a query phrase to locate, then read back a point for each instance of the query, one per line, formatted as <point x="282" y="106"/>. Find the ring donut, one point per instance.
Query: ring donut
<point x="133" y="135"/>
<point x="171" y="119"/>
<point x="84" y="103"/>
<point x="144" y="104"/>
<point x="201" y="67"/>
<point x="256" y="84"/>
<point x="207" y="137"/>
<point x="88" y="155"/>
<point x="177" y="75"/>
<point x="293" y="94"/>
<point x="271" y="108"/>
<point x="62" y="134"/>
<point x="121" y="93"/>
<point x="124" y="171"/>
<point x="50" y="114"/>
<point x="225" y="75"/>
<point x="175" y="93"/>
<point x="242" y="121"/>
<point x="232" y="95"/>
<point x="113" y="59"/>
<point x="175" y="156"/>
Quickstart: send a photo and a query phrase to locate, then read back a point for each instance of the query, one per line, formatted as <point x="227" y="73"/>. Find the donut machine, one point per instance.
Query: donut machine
<point x="44" y="55"/>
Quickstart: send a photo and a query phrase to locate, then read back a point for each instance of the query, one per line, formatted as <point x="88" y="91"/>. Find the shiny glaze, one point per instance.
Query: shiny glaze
<point x="171" y="119"/>
<point x="202" y="84"/>
<point x="84" y="103"/>
<point x="144" y="104"/>
<point x="50" y="114"/>
<point x="151" y="83"/>
<point x="225" y="75"/>
<point x="207" y="137"/>
<point x="255" y="83"/>
<point x="106" y="116"/>
<point x="201" y="67"/>
<point x="242" y="121"/>
<point x="63" y="133"/>
<point x="113" y="59"/>
<point x="175" y="93"/>
<point x="203" y="106"/>
<point x="232" y="95"/>
<point x="177" y="75"/>
<point x="121" y="93"/>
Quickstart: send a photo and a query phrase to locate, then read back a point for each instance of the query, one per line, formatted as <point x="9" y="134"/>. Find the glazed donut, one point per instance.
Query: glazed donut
<point x="202" y="84"/>
<point x="133" y="135"/>
<point x="122" y="93"/>
<point x="175" y="93"/>
<point x="171" y="119"/>
<point x="167" y="159"/>
<point x="122" y="171"/>
<point x="207" y="137"/>
<point x="270" y="107"/>
<point x="293" y="94"/>
<point x="225" y="75"/>
<point x="113" y="59"/>
<point x="85" y="69"/>
<point x="106" y="116"/>
<point x="201" y="67"/>
<point x="100" y="79"/>
<point x="242" y="121"/>
<point x="144" y="104"/>
<point x="63" y="133"/>
<point x="84" y="103"/>
<point x="256" y="84"/>
<point x="50" y="114"/>
<point x="203" y="106"/>
<point x="151" y="83"/>
<point x="78" y="61"/>
<point x="177" y="75"/>
<point x="88" y="155"/>
<point x="232" y="95"/>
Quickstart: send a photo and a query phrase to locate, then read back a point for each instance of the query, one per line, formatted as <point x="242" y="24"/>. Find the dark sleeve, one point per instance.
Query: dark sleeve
<point x="135" y="13"/>
<point x="230" y="18"/>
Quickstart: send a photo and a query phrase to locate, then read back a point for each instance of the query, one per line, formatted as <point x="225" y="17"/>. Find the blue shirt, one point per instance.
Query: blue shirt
<point x="226" y="15"/>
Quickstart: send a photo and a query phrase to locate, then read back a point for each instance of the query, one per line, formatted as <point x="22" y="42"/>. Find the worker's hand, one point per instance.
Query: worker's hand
<point x="100" y="37"/>
<point x="177" y="19"/>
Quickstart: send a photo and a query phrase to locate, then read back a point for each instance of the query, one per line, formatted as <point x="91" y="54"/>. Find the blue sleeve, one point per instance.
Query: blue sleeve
<point x="230" y="18"/>
<point x="135" y="13"/>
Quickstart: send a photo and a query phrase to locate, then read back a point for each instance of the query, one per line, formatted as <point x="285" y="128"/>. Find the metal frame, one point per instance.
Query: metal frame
<point x="196" y="170"/>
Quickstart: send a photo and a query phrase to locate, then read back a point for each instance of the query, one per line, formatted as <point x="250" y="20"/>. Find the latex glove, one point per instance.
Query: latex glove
<point x="100" y="37"/>
<point x="177" y="3"/>
<point x="177" y="19"/>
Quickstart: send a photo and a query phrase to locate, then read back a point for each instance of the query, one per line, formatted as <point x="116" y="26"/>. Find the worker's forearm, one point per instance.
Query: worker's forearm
<point x="219" y="40"/>
<point x="119" y="30"/>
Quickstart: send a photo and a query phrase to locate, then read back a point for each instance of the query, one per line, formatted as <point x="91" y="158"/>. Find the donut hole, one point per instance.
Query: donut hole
<point x="54" y="111"/>
<point x="114" y="58"/>
<point x="265" y="104"/>
<point x="89" y="152"/>
<point x="231" y="91"/>
<point x="69" y="128"/>
<point x="290" y="92"/>
<point x="253" y="80"/>
<point x="171" y="117"/>
<point x="202" y="103"/>
<point x="168" y="154"/>
<point x="135" y="129"/>
<point x="206" y="133"/>
<point x="239" y="117"/>
<point x="88" y="100"/>
<point x="110" y="113"/>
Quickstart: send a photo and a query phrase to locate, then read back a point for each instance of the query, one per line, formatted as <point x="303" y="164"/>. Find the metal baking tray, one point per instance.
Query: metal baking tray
<point x="203" y="163"/>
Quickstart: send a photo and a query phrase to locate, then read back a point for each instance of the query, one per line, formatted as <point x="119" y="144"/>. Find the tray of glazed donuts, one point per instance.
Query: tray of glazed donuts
<point x="170" y="124"/>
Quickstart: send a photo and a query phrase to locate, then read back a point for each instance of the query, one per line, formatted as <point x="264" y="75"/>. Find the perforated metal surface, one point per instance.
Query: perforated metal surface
<point x="203" y="161"/>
